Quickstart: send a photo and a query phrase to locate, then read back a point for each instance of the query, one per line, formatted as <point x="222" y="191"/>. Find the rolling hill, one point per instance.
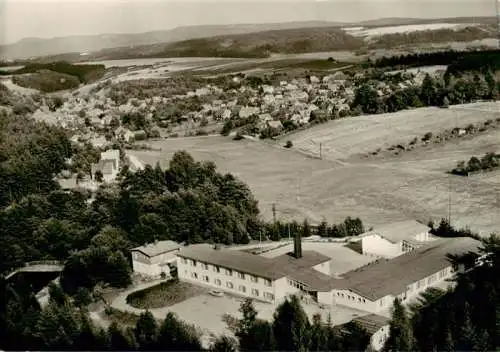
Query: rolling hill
<point x="36" y="47"/>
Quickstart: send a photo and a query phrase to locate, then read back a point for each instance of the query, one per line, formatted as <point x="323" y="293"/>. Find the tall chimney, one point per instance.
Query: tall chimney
<point x="297" y="245"/>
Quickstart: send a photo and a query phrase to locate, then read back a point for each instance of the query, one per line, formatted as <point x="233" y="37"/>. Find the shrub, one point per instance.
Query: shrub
<point x="288" y="144"/>
<point x="427" y="136"/>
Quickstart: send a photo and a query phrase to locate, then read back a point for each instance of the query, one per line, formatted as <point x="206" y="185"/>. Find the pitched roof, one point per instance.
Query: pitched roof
<point x="237" y="260"/>
<point x="372" y="322"/>
<point x="160" y="247"/>
<point x="399" y="231"/>
<point x="308" y="259"/>
<point x="385" y="277"/>
<point x="270" y="268"/>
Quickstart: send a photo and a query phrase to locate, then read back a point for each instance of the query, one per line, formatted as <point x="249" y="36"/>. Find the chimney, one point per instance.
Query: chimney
<point x="297" y="245"/>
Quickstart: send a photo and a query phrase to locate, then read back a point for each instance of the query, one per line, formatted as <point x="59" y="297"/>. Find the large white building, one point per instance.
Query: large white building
<point x="395" y="239"/>
<point x="371" y="288"/>
<point x="155" y="258"/>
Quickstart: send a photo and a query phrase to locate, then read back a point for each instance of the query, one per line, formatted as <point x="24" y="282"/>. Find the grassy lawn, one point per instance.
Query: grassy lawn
<point x="121" y="318"/>
<point x="164" y="295"/>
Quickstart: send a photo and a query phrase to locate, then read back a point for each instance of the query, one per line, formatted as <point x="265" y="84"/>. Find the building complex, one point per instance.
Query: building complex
<point x="371" y="288"/>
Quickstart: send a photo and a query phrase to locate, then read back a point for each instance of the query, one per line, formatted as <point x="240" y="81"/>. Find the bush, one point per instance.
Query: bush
<point x="288" y="144"/>
<point x="427" y="136"/>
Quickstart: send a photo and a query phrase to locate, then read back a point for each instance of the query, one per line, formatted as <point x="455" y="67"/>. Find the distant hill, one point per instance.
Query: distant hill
<point x="30" y="47"/>
<point x="159" y="42"/>
<point x="251" y="45"/>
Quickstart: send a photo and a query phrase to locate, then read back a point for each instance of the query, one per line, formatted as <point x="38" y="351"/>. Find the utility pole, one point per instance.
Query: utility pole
<point x="274" y="212"/>
<point x="449" y="202"/>
<point x="289" y="237"/>
<point x="320" y="150"/>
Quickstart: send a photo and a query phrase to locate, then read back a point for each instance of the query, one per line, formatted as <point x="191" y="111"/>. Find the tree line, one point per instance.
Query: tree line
<point x="64" y="325"/>
<point x="488" y="162"/>
<point x="433" y="92"/>
<point x="443" y="58"/>
<point x="463" y="318"/>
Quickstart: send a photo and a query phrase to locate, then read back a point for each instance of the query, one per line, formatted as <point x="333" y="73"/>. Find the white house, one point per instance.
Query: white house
<point x="394" y="239"/>
<point x="155" y="258"/>
<point x="109" y="165"/>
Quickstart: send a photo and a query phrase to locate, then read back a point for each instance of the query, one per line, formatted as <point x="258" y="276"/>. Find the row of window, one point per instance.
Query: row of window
<point x="230" y="285"/>
<point x="349" y="297"/>
<point x="229" y="272"/>
<point x="296" y="284"/>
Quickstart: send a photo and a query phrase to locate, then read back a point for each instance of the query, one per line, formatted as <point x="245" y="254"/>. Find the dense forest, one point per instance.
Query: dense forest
<point x="448" y="57"/>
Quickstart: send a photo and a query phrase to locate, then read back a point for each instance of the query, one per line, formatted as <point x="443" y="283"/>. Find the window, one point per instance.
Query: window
<point x="184" y="261"/>
<point x="206" y="279"/>
<point x="242" y="288"/>
<point x="268" y="283"/>
<point x="241" y="276"/>
<point x="229" y="284"/>
<point x="216" y="269"/>
<point x="194" y="275"/>
<point x="205" y="266"/>
<point x="254" y="279"/>
<point x="193" y="262"/>
<point x="217" y="282"/>
<point x="255" y="292"/>
<point x="268" y="295"/>
<point x="229" y="272"/>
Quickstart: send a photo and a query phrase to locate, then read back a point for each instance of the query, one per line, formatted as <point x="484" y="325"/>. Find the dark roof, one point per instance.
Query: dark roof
<point x="309" y="259"/>
<point x="237" y="260"/>
<point x="154" y="249"/>
<point x="270" y="268"/>
<point x="372" y="323"/>
<point x="385" y="277"/>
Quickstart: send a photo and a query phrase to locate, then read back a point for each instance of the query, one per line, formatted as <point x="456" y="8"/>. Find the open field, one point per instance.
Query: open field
<point x="377" y="32"/>
<point x="412" y="186"/>
<point x="344" y="138"/>
<point x="343" y="258"/>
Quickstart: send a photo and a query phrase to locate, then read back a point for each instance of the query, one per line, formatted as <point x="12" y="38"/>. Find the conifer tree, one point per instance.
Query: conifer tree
<point x="291" y="326"/>
<point x="400" y="332"/>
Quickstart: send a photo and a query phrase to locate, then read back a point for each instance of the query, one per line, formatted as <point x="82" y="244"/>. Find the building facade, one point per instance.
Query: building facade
<point x="395" y="239"/>
<point x="155" y="259"/>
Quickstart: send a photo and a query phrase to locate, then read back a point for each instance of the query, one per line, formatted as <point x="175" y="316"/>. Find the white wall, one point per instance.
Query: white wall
<point x="154" y="266"/>
<point x="168" y="257"/>
<point x="325" y="298"/>
<point x="422" y="237"/>
<point x="379" y="338"/>
<point x="222" y="281"/>
<point x="146" y="269"/>
<point x="353" y="300"/>
<point x="378" y="246"/>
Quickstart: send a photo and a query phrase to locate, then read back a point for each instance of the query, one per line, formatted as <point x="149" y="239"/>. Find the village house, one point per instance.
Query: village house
<point x="108" y="165"/>
<point x="154" y="259"/>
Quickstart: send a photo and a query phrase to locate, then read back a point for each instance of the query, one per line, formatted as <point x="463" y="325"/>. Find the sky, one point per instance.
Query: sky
<point x="54" y="18"/>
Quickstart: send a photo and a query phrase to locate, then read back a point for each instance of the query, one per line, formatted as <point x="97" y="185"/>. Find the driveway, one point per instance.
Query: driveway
<point x="206" y="312"/>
